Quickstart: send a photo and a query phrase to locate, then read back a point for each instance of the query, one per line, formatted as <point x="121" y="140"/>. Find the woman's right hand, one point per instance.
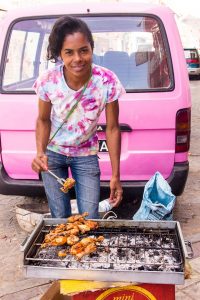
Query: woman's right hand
<point x="40" y="163"/>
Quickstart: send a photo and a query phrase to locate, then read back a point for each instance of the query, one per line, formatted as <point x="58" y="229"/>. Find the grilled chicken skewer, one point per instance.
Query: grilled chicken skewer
<point x="85" y="246"/>
<point x="69" y="234"/>
<point x="67" y="184"/>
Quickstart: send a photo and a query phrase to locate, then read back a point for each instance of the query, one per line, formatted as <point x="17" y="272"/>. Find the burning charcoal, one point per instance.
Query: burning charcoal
<point x="140" y="240"/>
<point x="156" y="253"/>
<point x="107" y="249"/>
<point x="160" y="268"/>
<point x="131" y="241"/>
<point x="112" y="257"/>
<point x="120" y="267"/>
<point x="137" y="251"/>
<point x="150" y="253"/>
<point x="165" y="239"/>
<point x="68" y="264"/>
<point x="122" y="240"/>
<point x="131" y="256"/>
<point x="175" y="255"/>
<point x="151" y="244"/>
<point x="113" y="241"/>
<point x="121" y="253"/>
<point x="103" y="257"/>
<point x="99" y="266"/>
<point x="111" y="266"/>
<point x="156" y="268"/>
<point x="106" y="240"/>
<point x="41" y="254"/>
<point x="93" y="255"/>
<point x="101" y="249"/>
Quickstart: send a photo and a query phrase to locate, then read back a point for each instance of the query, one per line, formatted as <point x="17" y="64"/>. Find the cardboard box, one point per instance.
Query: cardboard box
<point x="59" y="291"/>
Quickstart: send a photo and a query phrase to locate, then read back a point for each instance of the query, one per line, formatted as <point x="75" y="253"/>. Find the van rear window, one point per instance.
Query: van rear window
<point x="134" y="47"/>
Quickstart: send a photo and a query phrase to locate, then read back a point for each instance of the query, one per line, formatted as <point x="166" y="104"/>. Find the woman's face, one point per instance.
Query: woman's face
<point x="76" y="54"/>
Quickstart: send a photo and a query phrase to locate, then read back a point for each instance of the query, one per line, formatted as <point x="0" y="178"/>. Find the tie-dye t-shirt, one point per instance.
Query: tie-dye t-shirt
<point x="78" y="136"/>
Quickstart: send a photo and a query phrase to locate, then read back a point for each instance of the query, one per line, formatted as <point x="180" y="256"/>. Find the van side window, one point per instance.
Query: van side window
<point x="26" y="55"/>
<point x="19" y="62"/>
<point x="134" y="47"/>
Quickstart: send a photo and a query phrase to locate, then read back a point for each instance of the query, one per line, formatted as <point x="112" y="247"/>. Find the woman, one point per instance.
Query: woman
<point x="72" y="96"/>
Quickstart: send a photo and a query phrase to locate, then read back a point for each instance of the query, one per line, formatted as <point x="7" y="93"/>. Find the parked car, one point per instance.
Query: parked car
<point x="141" y="44"/>
<point x="193" y="62"/>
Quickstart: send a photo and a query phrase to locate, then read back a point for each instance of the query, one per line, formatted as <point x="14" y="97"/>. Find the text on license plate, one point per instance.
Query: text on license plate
<point x="103" y="146"/>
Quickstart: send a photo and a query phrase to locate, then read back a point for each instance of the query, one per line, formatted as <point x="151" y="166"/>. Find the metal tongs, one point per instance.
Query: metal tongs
<point x="67" y="183"/>
<point x="60" y="180"/>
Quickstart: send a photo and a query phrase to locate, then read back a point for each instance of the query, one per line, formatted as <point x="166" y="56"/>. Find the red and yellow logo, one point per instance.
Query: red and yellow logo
<point x="128" y="293"/>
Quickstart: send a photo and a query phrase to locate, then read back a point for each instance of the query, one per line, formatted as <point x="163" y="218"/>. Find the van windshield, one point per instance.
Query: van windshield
<point x="134" y="47"/>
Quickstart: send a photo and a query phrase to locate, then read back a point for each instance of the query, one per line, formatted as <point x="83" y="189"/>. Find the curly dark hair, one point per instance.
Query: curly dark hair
<point x="64" y="26"/>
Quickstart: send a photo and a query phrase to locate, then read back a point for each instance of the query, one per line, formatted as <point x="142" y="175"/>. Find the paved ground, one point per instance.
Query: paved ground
<point x="13" y="284"/>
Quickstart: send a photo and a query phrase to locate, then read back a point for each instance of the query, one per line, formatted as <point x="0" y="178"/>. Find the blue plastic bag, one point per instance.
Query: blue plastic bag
<point x="158" y="200"/>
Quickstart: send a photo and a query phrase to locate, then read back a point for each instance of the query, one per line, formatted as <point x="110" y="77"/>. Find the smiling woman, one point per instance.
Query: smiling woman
<point x="72" y="96"/>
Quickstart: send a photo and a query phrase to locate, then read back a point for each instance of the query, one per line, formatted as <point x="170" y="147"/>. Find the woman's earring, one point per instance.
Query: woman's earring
<point x="59" y="59"/>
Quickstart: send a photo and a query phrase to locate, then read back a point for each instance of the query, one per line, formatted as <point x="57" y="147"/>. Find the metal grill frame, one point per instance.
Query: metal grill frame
<point x="58" y="269"/>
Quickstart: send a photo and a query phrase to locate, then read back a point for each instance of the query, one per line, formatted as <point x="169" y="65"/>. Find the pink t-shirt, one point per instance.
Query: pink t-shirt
<point x="78" y="136"/>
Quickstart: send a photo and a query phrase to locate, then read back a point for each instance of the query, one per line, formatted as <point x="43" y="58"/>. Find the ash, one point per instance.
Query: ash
<point x="121" y="252"/>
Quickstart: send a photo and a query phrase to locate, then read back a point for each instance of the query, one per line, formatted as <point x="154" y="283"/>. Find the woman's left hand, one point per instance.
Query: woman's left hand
<point x="115" y="191"/>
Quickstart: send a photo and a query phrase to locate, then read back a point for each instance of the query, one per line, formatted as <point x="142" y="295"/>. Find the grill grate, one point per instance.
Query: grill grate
<point x="124" y="248"/>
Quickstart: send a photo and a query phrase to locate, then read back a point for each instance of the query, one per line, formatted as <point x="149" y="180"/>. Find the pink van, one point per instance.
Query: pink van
<point x="141" y="44"/>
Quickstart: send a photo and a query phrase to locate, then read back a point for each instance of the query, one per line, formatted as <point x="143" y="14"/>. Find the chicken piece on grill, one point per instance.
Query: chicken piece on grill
<point x="53" y="234"/>
<point x="75" y="218"/>
<point x="50" y="236"/>
<point x="77" y="248"/>
<point x="57" y="241"/>
<point x="91" y="224"/>
<point x="72" y="239"/>
<point x="85" y="246"/>
<point x="89" y="239"/>
<point x="73" y="231"/>
<point x="70" y="226"/>
<point x="83" y="228"/>
<point x="90" y="248"/>
<point x="68" y="234"/>
<point x="87" y="226"/>
<point x="62" y="253"/>
<point x="59" y="228"/>
<point x="57" y="231"/>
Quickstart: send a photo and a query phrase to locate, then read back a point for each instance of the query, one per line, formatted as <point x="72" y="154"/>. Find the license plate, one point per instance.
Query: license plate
<point x="103" y="146"/>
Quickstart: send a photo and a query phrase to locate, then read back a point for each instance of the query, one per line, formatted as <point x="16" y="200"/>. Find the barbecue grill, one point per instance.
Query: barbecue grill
<point x="132" y="251"/>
